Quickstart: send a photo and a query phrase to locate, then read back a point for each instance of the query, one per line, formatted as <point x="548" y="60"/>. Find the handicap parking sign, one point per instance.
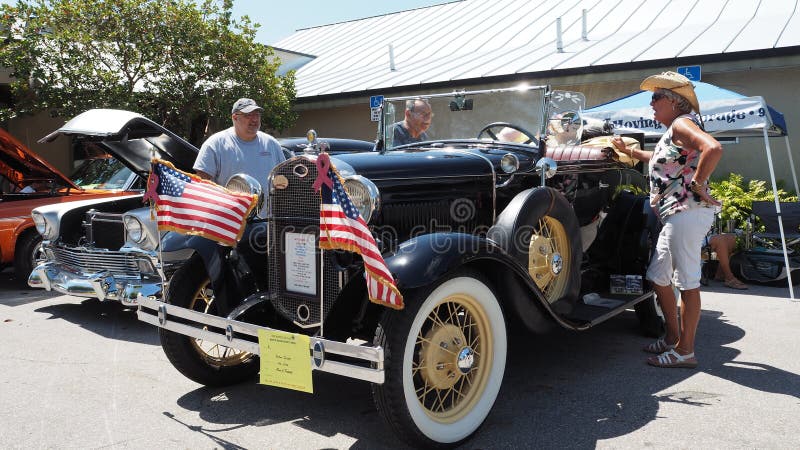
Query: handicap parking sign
<point x="375" y="101"/>
<point x="690" y="72"/>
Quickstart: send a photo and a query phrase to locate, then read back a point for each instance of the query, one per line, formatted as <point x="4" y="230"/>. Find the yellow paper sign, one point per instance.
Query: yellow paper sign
<point x="285" y="360"/>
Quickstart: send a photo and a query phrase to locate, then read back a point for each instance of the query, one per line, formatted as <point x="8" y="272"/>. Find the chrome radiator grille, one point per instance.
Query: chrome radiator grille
<point x="295" y="209"/>
<point x="105" y="230"/>
<point x="92" y="261"/>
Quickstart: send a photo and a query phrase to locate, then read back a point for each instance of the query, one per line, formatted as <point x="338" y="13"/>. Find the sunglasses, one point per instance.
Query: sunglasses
<point x="657" y="96"/>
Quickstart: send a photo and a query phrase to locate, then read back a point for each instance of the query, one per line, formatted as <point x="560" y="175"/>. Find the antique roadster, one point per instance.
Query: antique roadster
<point x="499" y="217"/>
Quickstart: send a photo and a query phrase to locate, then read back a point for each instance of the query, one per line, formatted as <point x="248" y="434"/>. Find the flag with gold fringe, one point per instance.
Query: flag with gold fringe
<point x="341" y="227"/>
<point x="188" y="204"/>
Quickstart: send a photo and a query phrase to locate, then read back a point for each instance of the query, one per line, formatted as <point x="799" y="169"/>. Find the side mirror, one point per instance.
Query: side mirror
<point x="547" y="167"/>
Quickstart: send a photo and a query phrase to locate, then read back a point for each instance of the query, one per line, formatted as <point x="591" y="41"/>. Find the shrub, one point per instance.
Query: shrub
<point x="737" y="197"/>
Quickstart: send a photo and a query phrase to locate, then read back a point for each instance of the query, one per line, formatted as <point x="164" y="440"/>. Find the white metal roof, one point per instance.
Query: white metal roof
<point x="486" y="38"/>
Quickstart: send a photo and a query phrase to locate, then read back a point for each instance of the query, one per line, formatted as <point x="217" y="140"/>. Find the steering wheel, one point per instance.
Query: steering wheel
<point x="530" y="138"/>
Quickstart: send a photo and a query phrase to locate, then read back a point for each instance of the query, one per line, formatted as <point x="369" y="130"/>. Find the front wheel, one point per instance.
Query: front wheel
<point x="27" y="255"/>
<point x="445" y="357"/>
<point x="204" y="362"/>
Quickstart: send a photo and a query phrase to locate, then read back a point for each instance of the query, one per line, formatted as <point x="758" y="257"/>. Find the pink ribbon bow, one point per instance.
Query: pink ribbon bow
<point x="323" y="166"/>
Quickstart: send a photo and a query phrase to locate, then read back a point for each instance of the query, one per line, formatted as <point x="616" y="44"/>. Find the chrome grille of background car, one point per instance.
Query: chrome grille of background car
<point x="104" y="230"/>
<point x="89" y="261"/>
<point x="296" y="209"/>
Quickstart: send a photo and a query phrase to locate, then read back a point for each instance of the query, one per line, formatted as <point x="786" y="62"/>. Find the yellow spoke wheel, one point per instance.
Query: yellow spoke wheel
<point x="445" y="356"/>
<point x="448" y="370"/>
<point x="214" y="354"/>
<point x="549" y="258"/>
<point x="202" y="361"/>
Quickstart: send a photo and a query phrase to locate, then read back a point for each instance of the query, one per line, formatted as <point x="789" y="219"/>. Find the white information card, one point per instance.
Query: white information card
<point x="301" y="264"/>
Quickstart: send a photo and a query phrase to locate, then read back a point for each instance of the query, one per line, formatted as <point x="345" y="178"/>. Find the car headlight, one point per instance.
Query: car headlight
<point x="241" y="182"/>
<point x="39" y="222"/>
<point x="364" y="195"/>
<point x="509" y="163"/>
<point x="134" y="229"/>
<point x="47" y="228"/>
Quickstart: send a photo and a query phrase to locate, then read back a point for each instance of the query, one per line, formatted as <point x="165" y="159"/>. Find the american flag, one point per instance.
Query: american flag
<point x="188" y="204"/>
<point x="342" y="228"/>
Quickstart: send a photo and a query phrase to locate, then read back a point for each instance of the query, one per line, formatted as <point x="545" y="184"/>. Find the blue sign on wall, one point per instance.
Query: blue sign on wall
<point x="375" y="101"/>
<point x="690" y="72"/>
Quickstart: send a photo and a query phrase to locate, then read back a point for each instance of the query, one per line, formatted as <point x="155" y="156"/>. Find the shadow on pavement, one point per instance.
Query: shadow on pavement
<point x="14" y="292"/>
<point x="108" y="319"/>
<point x="582" y="387"/>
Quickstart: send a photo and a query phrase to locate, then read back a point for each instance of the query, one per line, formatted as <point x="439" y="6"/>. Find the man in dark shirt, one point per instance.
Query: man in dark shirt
<point x="418" y="117"/>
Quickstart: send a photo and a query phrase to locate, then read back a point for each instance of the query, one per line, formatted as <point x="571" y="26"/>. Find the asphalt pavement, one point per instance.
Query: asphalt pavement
<point x="79" y="373"/>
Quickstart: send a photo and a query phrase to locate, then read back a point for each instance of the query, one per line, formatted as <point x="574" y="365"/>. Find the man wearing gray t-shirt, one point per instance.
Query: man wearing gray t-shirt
<point x="242" y="148"/>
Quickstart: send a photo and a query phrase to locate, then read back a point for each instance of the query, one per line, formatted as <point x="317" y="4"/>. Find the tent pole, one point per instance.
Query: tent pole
<point x="780" y="217"/>
<point x="791" y="164"/>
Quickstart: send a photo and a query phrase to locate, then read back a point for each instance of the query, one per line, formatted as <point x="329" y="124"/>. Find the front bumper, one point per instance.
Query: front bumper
<point x="363" y="362"/>
<point x="103" y="285"/>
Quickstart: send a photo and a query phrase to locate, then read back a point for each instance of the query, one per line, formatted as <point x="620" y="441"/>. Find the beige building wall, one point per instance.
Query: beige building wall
<point x="775" y="79"/>
<point x="335" y="121"/>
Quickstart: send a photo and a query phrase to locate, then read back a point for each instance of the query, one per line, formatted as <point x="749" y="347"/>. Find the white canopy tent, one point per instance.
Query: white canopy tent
<point x="725" y="114"/>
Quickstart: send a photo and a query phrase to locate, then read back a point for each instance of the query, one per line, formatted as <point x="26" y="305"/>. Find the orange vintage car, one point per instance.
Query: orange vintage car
<point x="28" y="181"/>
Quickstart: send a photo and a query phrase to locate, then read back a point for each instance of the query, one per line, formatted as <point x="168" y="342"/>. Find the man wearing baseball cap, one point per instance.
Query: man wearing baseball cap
<point x="242" y="148"/>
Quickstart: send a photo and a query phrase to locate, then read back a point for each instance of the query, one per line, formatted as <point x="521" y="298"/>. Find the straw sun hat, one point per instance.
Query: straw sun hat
<point x="676" y="83"/>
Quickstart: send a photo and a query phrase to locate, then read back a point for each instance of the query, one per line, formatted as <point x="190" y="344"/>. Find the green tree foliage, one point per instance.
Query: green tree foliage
<point x="179" y="62"/>
<point x="737" y="197"/>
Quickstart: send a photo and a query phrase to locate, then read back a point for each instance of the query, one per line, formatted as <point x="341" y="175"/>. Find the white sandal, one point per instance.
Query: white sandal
<point x="672" y="358"/>
<point x="658" y="347"/>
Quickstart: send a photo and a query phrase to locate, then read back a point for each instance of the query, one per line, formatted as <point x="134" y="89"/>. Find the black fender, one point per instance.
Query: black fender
<point x="223" y="264"/>
<point x="512" y="232"/>
<point x="421" y="261"/>
<point x="424" y="259"/>
<point x="176" y="247"/>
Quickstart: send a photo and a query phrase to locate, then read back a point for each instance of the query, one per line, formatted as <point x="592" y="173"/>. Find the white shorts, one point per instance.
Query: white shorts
<point x="677" y="256"/>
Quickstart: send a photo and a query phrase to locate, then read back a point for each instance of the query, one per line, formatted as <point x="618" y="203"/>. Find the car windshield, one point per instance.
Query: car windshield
<point x="518" y="115"/>
<point x="101" y="173"/>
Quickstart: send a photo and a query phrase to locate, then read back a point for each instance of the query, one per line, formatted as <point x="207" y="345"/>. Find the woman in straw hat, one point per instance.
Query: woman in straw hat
<point x="679" y="169"/>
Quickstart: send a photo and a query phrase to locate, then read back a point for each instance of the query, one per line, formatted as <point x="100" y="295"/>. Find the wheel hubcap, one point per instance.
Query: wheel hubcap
<point x="442" y="353"/>
<point x="466" y="359"/>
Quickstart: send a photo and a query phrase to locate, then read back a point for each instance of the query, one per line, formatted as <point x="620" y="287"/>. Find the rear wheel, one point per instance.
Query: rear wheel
<point x="651" y="319"/>
<point x="204" y="362"/>
<point x="549" y="256"/>
<point x="445" y="356"/>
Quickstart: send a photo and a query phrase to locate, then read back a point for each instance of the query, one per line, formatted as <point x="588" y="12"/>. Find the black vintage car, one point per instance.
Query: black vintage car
<point x="498" y="217"/>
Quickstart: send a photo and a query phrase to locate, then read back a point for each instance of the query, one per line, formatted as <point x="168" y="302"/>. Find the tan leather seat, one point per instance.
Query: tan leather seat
<point x="576" y="152"/>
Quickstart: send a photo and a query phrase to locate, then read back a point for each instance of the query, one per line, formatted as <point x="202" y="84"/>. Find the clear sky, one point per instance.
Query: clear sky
<point x="281" y="18"/>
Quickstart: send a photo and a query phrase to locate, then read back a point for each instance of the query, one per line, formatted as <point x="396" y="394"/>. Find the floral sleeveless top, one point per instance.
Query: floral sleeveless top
<point x="671" y="171"/>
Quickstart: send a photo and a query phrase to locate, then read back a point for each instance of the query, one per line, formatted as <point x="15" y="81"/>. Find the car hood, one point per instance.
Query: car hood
<point x="419" y="163"/>
<point x="18" y="163"/>
<point x="129" y="137"/>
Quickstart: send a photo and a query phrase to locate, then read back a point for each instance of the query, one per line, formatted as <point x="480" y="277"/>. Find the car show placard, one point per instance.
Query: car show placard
<point x="285" y="360"/>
